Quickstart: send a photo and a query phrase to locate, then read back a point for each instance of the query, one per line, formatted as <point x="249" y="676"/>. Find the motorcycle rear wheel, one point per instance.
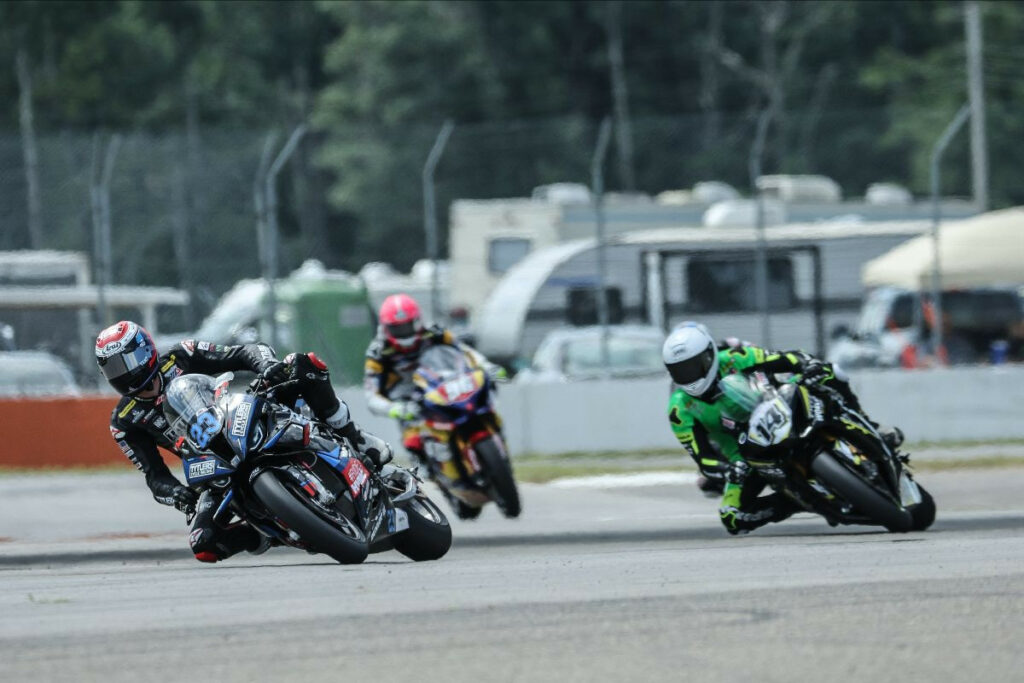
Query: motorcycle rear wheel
<point x="861" y="494"/>
<point x="315" y="531"/>
<point x="499" y="472"/>
<point x="429" y="535"/>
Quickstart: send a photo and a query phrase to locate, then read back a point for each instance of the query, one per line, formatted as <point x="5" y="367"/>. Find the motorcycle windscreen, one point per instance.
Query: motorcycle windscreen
<point x="741" y="396"/>
<point x="187" y="397"/>
<point x="446" y="376"/>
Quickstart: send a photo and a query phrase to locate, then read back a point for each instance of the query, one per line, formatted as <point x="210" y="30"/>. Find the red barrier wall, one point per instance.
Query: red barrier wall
<point x="65" y="432"/>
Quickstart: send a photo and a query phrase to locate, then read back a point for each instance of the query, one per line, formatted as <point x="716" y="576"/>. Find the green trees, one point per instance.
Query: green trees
<point x="863" y="89"/>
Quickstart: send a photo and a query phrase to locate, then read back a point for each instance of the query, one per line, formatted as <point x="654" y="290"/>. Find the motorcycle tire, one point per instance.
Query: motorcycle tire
<point x="923" y="514"/>
<point x="499" y="472"/>
<point x="429" y="535"/>
<point x="316" y="533"/>
<point x="861" y="494"/>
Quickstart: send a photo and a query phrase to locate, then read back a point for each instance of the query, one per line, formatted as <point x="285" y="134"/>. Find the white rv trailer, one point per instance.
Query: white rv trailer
<point x="668" y="275"/>
<point x="487" y="237"/>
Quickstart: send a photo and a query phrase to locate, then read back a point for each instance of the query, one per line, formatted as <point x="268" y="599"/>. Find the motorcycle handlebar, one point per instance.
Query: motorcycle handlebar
<point x="256" y="389"/>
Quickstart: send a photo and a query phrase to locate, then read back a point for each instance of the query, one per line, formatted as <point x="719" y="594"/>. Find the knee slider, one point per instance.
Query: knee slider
<point x="201" y="542"/>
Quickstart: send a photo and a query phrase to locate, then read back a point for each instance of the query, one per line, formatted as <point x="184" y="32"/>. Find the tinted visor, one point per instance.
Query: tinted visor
<point x="133" y="382"/>
<point x="692" y="369"/>
<point x="404" y="330"/>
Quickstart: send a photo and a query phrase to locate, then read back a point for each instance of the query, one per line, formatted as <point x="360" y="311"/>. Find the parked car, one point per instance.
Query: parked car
<point x="574" y="353"/>
<point x="35" y="373"/>
<point x="894" y="327"/>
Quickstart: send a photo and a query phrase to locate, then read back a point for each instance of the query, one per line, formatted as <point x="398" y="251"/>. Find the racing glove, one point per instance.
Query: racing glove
<point x="184" y="499"/>
<point x="404" y="410"/>
<point x="275" y="372"/>
<point x="737" y="472"/>
<point x="815" y="370"/>
<point x="497" y="373"/>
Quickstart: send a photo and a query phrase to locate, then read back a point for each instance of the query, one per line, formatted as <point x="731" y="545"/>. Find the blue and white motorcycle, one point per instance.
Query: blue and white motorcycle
<point x="292" y="479"/>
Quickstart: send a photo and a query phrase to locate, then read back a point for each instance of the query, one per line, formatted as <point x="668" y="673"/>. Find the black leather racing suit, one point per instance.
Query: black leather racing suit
<point x="139" y="427"/>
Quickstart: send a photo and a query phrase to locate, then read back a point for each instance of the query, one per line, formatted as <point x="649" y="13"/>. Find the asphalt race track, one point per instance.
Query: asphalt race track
<point x="632" y="584"/>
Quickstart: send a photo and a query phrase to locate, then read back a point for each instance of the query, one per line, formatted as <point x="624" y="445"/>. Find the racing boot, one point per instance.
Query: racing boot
<point x="462" y="510"/>
<point x="373" y="449"/>
<point x="710" y="486"/>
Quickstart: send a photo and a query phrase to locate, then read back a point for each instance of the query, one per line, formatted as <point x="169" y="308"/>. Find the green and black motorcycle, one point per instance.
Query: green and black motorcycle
<point x="807" y="443"/>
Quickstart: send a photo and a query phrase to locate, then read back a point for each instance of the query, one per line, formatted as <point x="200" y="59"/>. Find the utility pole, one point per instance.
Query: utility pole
<point x="976" y="98"/>
<point x="430" y="213"/>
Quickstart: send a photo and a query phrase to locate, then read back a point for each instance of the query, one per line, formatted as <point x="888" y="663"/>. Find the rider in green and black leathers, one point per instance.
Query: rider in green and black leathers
<point x="700" y="415"/>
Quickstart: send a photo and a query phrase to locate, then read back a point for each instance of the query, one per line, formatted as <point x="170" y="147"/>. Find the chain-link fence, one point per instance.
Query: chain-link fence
<point x="182" y="205"/>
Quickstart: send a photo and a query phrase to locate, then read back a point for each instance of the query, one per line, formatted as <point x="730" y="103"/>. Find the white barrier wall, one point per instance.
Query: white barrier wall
<point x="952" y="404"/>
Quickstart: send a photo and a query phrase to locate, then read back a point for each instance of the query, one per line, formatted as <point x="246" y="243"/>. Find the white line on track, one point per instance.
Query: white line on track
<point x="615" y="481"/>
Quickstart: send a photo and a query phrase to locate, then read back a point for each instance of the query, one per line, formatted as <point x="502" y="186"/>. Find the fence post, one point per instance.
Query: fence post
<point x="271" y="211"/>
<point x="430" y="213"/>
<point x="937" y="151"/>
<point x="597" y="189"/>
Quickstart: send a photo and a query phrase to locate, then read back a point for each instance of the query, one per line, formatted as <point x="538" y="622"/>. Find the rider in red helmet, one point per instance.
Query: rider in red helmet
<point x="391" y="360"/>
<point x="400" y="323"/>
<point x="130" y="362"/>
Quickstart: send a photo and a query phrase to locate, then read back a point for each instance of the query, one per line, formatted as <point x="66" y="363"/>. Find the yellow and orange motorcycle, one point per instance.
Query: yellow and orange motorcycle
<point x="461" y="432"/>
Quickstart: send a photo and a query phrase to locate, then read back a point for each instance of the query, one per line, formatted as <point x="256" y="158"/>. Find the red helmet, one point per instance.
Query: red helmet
<point x="400" y="321"/>
<point x="127" y="357"/>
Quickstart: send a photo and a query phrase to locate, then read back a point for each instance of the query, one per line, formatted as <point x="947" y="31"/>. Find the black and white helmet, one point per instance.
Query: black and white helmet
<point x="691" y="357"/>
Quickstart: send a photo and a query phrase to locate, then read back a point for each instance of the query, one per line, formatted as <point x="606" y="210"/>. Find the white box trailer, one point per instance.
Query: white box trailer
<point x="48" y="298"/>
<point x="665" y="276"/>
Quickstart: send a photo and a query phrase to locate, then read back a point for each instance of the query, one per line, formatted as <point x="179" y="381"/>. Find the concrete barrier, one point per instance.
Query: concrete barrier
<point x="952" y="404"/>
<point x="949" y="404"/>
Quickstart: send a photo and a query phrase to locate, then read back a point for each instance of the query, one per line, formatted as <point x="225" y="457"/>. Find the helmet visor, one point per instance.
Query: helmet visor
<point x="692" y="369"/>
<point x="403" y="330"/>
<point x="126" y="361"/>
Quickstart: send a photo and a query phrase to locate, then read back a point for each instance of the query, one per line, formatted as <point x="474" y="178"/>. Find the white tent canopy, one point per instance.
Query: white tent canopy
<point x="982" y="251"/>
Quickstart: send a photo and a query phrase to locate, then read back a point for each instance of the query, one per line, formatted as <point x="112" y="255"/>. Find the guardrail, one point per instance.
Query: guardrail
<point x="945" y="404"/>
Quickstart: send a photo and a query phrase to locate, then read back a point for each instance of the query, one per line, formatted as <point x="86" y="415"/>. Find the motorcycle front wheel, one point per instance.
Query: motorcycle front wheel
<point x="347" y="546"/>
<point x="429" y="535"/>
<point x="499" y="471"/>
<point x="862" y="495"/>
<point x="923" y="513"/>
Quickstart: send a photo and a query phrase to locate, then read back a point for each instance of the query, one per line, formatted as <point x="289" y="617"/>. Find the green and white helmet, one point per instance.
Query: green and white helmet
<point x="691" y="357"/>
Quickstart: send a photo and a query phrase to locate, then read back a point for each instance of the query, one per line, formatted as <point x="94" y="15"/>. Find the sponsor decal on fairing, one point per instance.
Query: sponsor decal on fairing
<point x="356" y="475"/>
<point x="203" y="468"/>
<point x="241" y="421"/>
